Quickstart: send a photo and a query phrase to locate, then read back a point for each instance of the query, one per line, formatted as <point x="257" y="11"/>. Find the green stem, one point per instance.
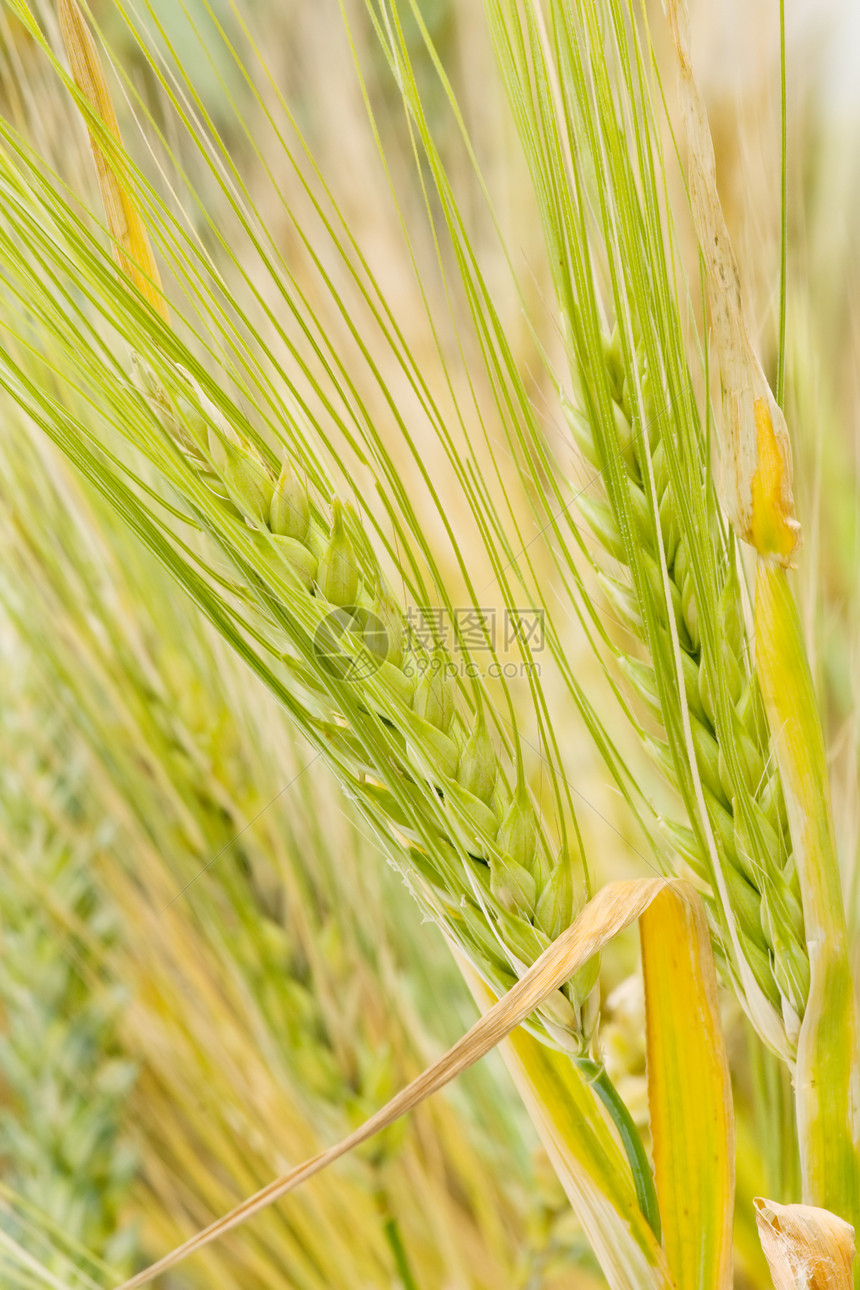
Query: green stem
<point x="391" y="1227"/>
<point x="643" y="1177"/>
<point x="586" y="1153"/>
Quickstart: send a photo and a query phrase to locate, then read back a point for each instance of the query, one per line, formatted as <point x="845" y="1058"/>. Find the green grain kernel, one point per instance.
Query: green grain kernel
<point x="247" y="481"/>
<point x="338" y="574"/>
<point x="289" y="513"/>
<point x="479" y="768"/>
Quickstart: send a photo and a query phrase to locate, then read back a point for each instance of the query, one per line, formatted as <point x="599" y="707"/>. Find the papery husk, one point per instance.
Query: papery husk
<point x="806" y="1248"/>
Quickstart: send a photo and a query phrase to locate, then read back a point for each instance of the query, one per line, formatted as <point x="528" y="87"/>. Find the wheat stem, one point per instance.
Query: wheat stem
<point x="826" y="1081"/>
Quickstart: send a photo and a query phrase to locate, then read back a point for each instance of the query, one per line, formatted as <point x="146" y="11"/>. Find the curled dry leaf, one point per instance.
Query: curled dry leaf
<point x="615" y="907"/>
<point x="806" y="1248"/>
<point x="666" y="909"/>
<point x="756" y="454"/>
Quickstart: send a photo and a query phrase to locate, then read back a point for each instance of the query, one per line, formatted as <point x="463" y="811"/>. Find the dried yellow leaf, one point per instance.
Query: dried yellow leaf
<point x="132" y="250"/>
<point x="668" y="909"/>
<point x="755" y="475"/>
<point x="774" y="531"/>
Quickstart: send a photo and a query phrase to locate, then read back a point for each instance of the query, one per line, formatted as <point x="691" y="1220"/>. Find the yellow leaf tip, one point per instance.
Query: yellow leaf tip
<point x="131" y="250"/>
<point x="774" y="531"/>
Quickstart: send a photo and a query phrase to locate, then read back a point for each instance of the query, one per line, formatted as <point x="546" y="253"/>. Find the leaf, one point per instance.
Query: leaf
<point x="124" y="221"/>
<point x="806" y="1248"/>
<point x="689" y="1093"/>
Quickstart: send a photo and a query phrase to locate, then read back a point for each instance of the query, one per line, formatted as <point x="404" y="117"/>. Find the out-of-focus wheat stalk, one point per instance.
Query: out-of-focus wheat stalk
<point x="64" y="1143"/>
<point x="256" y="998"/>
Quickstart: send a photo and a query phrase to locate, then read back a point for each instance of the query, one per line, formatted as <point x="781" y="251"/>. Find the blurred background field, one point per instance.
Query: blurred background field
<point x="208" y="969"/>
